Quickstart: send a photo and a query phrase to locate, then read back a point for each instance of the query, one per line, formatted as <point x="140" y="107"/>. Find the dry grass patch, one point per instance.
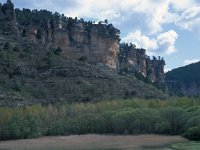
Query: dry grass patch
<point x="90" y="142"/>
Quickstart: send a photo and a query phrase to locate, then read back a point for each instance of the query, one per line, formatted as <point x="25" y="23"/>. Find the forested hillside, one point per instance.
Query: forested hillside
<point x="184" y="80"/>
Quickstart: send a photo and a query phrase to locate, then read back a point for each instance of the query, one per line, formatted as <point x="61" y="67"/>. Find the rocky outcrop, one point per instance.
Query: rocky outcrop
<point x="155" y="69"/>
<point x="132" y="59"/>
<point x="97" y="43"/>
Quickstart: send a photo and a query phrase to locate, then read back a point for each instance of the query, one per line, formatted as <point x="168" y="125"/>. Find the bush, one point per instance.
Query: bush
<point x="108" y="117"/>
<point x="39" y="34"/>
<point x="57" y="127"/>
<point x="82" y="58"/>
<point x="57" y="51"/>
<point x="173" y="121"/>
<point x="90" y="123"/>
<point x="20" y="126"/>
<point x="6" y="46"/>
<point x="16" y="49"/>
<point x="134" y="121"/>
<point x="193" y="133"/>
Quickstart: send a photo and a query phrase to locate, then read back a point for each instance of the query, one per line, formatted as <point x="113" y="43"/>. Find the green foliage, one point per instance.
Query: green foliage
<point x="82" y="58"/>
<point x="29" y="74"/>
<point x="6" y="46"/>
<point x="39" y="34"/>
<point x="20" y="126"/>
<point x="193" y="133"/>
<point x="133" y="121"/>
<point x="184" y="78"/>
<point x="134" y="116"/>
<point x="27" y="17"/>
<point x="185" y="146"/>
<point x="172" y="121"/>
<point x="16" y="49"/>
<point x="189" y="74"/>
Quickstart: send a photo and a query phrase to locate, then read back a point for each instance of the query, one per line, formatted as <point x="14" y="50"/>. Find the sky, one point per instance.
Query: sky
<point x="166" y="28"/>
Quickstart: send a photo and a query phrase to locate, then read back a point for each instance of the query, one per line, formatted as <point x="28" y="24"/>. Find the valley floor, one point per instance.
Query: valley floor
<point x="94" y="142"/>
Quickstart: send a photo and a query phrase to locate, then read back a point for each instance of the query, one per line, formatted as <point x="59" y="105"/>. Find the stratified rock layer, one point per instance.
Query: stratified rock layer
<point x="132" y="59"/>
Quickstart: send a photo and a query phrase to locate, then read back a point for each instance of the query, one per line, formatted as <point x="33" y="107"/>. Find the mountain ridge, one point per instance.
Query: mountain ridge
<point x="184" y="81"/>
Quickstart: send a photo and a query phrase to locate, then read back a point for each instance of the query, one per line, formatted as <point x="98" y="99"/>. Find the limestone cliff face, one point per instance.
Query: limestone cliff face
<point x="132" y="59"/>
<point x="93" y="41"/>
<point x="155" y="69"/>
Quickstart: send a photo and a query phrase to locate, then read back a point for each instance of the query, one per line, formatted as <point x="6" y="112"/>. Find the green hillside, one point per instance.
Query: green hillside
<point x="184" y="80"/>
<point x="29" y="74"/>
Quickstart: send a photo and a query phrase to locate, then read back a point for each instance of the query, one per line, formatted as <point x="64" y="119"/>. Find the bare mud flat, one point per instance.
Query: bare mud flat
<point x="91" y="142"/>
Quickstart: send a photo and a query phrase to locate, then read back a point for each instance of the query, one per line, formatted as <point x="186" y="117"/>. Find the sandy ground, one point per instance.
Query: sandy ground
<point x="89" y="142"/>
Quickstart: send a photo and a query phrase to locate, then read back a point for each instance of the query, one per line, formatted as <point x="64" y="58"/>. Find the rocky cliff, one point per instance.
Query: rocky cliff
<point x="96" y="43"/>
<point x="132" y="59"/>
<point x="79" y="40"/>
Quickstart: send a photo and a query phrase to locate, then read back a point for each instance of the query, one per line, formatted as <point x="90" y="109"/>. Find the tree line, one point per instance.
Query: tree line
<point x="173" y="117"/>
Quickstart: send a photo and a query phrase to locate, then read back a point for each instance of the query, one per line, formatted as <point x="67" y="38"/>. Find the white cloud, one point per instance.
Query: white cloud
<point x="166" y="42"/>
<point x="190" y="19"/>
<point x="156" y="12"/>
<point x="140" y="40"/>
<point x="162" y="44"/>
<point x="191" y="61"/>
<point x="153" y="13"/>
<point x="181" y="5"/>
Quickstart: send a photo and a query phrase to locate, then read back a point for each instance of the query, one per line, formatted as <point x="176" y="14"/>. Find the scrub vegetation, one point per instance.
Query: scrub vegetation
<point x="177" y="116"/>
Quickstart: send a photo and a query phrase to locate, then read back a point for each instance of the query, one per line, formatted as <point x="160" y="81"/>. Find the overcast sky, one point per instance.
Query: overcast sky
<point x="169" y="28"/>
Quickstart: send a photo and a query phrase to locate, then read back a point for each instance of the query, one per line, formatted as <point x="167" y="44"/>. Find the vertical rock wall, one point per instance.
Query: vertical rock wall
<point x="132" y="59"/>
<point x="94" y="44"/>
<point x="155" y="69"/>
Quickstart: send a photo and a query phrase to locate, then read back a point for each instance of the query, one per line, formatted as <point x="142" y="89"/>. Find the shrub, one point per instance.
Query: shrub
<point x="173" y="119"/>
<point x="39" y="34"/>
<point x="193" y="133"/>
<point x="82" y="58"/>
<point x="112" y="117"/>
<point x="90" y="123"/>
<point x="6" y="46"/>
<point x="16" y="49"/>
<point x="20" y="126"/>
<point x="57" y="127"/>
<point x="134" y="121"/>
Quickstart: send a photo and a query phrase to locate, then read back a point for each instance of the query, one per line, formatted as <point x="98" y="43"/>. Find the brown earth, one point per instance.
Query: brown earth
<point x="90" y="142"/>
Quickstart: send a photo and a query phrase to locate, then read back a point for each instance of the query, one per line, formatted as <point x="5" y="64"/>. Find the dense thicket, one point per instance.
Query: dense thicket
<point x="115" y="117"/>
